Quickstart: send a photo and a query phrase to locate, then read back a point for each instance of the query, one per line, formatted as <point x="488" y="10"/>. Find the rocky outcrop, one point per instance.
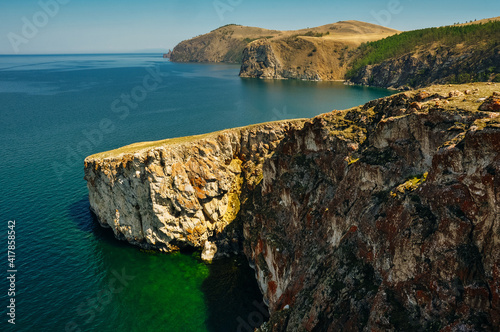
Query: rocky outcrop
<point x="261" y="61"/>
<point x="419" y="69"/>
<point x="181" y="194"/>
<point x="384" y="217"/>
<point x="321" y="53"/>
<point x="167" y="55"/>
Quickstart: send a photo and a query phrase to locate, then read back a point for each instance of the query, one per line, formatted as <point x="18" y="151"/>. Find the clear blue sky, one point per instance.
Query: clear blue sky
<point x="100" y="26"/>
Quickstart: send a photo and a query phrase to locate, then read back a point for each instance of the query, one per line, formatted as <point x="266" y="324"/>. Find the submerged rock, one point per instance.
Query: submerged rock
<point x="383" y="217"/>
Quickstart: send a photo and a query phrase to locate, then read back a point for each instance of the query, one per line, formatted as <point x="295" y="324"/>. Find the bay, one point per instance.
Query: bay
<point x="57" y="109"/>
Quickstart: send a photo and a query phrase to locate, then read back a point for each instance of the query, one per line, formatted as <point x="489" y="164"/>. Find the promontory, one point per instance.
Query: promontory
<point x="382" y="217"/>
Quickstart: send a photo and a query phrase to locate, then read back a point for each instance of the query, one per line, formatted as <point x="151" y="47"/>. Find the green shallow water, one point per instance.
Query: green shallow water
<point x="65" y="260"/>
<point x="162" y="291"/>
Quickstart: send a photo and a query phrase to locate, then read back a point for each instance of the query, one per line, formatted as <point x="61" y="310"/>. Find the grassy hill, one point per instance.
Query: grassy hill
<point x="320" y="53"/>
<point x="485" y="20"/>
<point x="226" y="44"/>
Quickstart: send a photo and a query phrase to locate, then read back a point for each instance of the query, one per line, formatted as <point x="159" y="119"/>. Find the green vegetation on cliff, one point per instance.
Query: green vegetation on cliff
<point x="478" y="38"/>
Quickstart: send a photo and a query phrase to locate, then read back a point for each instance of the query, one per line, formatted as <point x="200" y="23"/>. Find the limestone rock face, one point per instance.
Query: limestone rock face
<point x="304" y="58"/>
<point x="260" y="61"/>
<point x="181" y="194"/>
<point x="383" y="217"/>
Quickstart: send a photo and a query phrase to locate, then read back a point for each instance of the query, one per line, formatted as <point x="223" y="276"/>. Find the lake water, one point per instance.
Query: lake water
<point x="57" y="109"/>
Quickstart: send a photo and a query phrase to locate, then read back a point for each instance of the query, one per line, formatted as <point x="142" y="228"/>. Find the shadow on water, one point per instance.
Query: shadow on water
<point x="232" y="296"/>
<point x="87" y="222"/>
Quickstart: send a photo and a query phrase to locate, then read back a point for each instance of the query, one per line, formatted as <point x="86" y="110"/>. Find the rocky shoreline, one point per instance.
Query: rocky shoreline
<point x="381" y="217"/>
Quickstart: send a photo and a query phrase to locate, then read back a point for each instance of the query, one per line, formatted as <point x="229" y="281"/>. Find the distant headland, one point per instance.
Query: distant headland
<point x="356" y="52"/>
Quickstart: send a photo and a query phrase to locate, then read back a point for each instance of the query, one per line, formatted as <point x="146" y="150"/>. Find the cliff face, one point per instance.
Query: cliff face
<point x="383" y="217"/>
<point x="436" y="65"/>
<point x="450" y="54"/>
<point x="295" y="58"/>
<point x="321" y="53"/>
<point x="183" y="192"/>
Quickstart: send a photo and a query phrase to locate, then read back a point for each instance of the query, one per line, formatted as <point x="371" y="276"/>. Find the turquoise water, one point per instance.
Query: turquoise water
<point x="73" y="275"/>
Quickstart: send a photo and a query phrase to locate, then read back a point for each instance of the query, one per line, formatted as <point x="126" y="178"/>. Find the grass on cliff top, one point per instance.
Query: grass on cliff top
<point x="137" y="147"/>
<point x="480" y="35"/>
<point x="142" y="146"/>
<point x="462" y="104"/>
<point x="483" y="89"/>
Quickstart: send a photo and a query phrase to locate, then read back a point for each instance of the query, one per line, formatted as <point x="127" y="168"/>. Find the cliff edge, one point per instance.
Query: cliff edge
<point x="384" y="217"/>
<point x="184" y="192"/>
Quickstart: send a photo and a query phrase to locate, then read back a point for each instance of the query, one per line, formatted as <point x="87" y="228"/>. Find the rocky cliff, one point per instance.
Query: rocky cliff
<point x="414" y="59"/>
<point x="383" y="217"/>
<point x="313" y="62"/>
<point x="433" y="65"/>
<point x="181" y="192"/>
<point x="321" y="53"/>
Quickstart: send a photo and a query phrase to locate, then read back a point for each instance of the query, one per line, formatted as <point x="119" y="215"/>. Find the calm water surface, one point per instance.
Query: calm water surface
<point x="55" y="110"/>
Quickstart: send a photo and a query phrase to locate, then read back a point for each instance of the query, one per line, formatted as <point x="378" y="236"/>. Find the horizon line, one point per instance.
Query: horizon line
<point x="89" y="53"/>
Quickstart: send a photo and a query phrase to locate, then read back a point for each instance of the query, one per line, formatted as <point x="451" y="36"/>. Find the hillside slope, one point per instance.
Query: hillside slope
<point x="320" y="53"/>
<point x="360" y="52"/>
<point x="453" y="54"/>
<point x="483" y="21"/>
<point x="226" y="44"/>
